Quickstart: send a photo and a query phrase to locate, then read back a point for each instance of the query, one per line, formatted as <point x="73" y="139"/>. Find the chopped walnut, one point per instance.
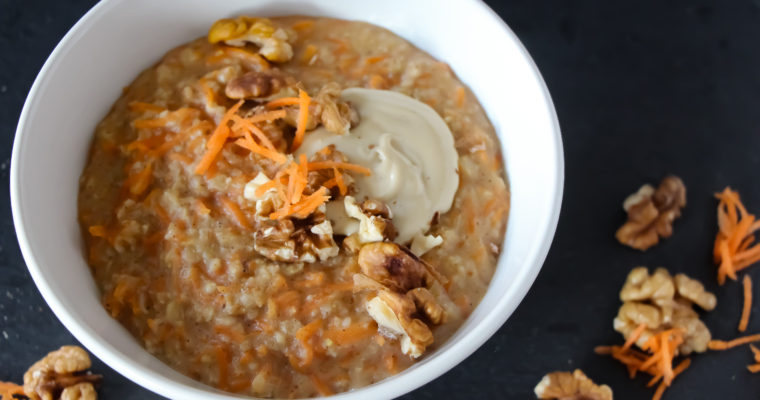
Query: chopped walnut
<point x="663" y="302"/>
<point x="62" y="375"/>
<point x="273" y="42"/>
<point x="421" y="244"/>
<point x="374" y="217"/>
<point x="253" y="85"/>
<point x="651" y="213"/>
<point x="327" y="109"/>
<point x="335" y="115"/>
<point x="401" y="282"/>
<point x="296" y="240"/>
<point x="571" y="386"/>
<point x="289" y="239"/>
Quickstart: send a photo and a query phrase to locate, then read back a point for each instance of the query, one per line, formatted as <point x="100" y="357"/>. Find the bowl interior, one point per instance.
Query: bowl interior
<point x="118" y="39"/>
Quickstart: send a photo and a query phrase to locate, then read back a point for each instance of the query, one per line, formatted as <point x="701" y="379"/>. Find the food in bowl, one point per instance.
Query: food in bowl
<point x="293" y="206"/>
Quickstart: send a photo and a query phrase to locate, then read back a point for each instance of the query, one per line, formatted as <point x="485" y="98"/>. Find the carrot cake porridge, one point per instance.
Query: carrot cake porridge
<point x="293" y="207"/>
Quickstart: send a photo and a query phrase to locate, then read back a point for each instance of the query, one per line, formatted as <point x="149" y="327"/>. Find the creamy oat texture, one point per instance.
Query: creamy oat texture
<point x="172" y="251"/>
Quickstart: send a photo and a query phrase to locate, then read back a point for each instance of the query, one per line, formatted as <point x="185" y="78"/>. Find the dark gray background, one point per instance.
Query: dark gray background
<point x="642" y="89"/>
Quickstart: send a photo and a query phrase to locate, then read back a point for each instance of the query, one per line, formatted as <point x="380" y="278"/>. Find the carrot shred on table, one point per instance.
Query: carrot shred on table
<point x="9" y="389"/>
<point x="733" y="250"/>
<point x="747" y="307"/>
<point x="656" y="361"/>
<point x="216" y="141"/>
<point x="725" y="345"/>
<point x="303" y="119"/>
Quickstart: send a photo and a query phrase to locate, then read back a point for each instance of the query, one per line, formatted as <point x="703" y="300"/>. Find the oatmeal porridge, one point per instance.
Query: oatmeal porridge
<point x="293" y="207"/>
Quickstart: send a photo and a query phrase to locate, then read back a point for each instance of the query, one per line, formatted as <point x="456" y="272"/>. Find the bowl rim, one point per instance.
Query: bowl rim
<point x="467" y="344"/>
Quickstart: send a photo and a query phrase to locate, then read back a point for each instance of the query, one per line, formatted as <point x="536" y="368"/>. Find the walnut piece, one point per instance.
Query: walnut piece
<point x="62" y="374"/>
<point x="374" y="217"/>
<point x="663" y="302"/>
<point x="651" y="213"/>
<point x="327" y="109"/>
<point x="402" y="302"/>
<point x="253" y="85"/>
<point x="394" y="267"/>
<point x="273" y="42"/>
<point x="336" y="115"/>
<point x="571" y="386"/>
<point x="289" y="239"/>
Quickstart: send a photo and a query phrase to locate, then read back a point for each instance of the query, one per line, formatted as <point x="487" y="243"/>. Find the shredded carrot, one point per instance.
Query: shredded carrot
<point x="98" y="231"/>
<point x="284" y="101"/>
<point x="339" y="182"/>
<point x="733" y="251"/>
<point x="723" y="345"/>
<point x="351" y="334"/>
<point x="747" y="308"/>
<point x="657" y="361"/>
<point x="216" y="141"/>
<point x="314" y="165"/>
<point x="8" y="390"/>
<point x="140" y="181"/>
<point x="252" y="128"/>
<point x="302" y="25"/>
<point x="223" y="363"/>
<point x="234" y="211"/>
<point x="207" y="91"/>
<point x="248" y="143"/>
<point x="308" y="54"/>
<point x="375" y="59"/>
<point x="754" y="368"/>
<point x="635" y="335"/>
<point x="376" y="82"/>
<point x="321" y="387"/>
<point x="460" y="96"/>
<point x="303" y="119"/>
<point x="139" y="106"/>
<point x="304" y="336"/>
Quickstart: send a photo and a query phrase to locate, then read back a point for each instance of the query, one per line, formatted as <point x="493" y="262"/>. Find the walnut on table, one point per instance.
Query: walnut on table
<point x="662" y="302"/>
<point x="62" y="375"/>
<point x="571" y="386"/>
<point x="403" y="307"/>
<point x="651" y="213"/>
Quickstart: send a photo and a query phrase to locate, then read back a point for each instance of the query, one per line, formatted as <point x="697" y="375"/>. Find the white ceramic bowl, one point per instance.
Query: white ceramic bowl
<point x="117" y="39"/>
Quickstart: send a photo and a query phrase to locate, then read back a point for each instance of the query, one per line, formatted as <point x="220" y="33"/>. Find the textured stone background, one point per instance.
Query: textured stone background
<point x="642" y="89"/>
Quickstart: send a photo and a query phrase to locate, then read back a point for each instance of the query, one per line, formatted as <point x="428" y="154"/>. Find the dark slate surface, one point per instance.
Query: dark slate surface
<point x="642" y="89"/>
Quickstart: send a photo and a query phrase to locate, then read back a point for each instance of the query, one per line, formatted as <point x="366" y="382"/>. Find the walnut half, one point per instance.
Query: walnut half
<point x="651" y="213"/>
<point x="403" y="307"/>
<point x="571" y="386"/>
<point x="62" y="375"/>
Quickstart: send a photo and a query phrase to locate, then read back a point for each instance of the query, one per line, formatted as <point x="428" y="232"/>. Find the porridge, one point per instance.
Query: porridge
<point x="293" y="207"/>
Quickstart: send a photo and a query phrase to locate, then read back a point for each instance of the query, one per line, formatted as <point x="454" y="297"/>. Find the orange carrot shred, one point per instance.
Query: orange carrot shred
<point x="9" y="389"/>
<point x="139" y="106"/>
<point x="232" y="209"/>
<point x="283" y="101"/>
<point x="747" y="308"/>
<point x="635" y="335"/>
<point x="98" y="231"/>
<point x="216" y="141"/>
<point x="334" y="164"/>
<point x="723" y="345"/>
<point x="303" y="119"/>
<point x="460" y="96"/>
<point x="733" y="248"/>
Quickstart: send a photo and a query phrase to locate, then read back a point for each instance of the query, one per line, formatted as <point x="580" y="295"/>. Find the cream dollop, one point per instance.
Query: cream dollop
<point x="410" y="151"/>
